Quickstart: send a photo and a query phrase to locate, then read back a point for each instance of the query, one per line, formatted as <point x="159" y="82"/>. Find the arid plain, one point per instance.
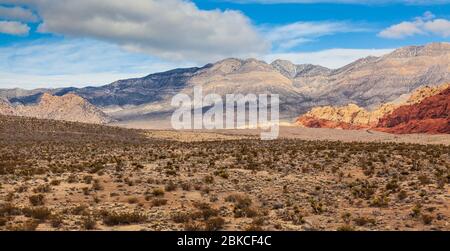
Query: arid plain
<point x="72" y="176"/>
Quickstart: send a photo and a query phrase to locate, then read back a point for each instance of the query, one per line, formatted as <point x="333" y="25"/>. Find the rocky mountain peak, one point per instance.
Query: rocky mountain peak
<point x="432" y="49"/>
<point x="285" y="67"/>
<point x="290" y="70"/>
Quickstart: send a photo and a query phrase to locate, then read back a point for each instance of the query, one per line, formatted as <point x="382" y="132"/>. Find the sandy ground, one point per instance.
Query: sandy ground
<point x="290" y="132"/>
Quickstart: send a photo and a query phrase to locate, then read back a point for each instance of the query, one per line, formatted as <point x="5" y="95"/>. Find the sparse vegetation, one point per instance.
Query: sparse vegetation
<point x="76" y="176"/>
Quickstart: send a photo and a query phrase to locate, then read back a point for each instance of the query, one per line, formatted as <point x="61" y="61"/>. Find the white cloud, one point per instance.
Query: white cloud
<point x="427" y="24"/>
<point x="440" y="27"/>
<point x="55" y="63"/>
<point x="291" y="35"/>
<point x="331" y="58"/>
<point x="183" y="33"/>
<point x="169" y="29"/>
<point x="17" y="13"/>
<point x="14" y="28"/>
<point x="370" y="2"/>
<point x="82" y="62"/>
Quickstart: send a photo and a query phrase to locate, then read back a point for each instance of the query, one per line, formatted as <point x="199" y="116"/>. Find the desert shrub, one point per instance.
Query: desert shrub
<point x="317" y="206"/>
<point x="45" y="188"/>
<point x="346" y="228"/>
<point x="248" y="212"/>
<point x="133" y="200"/>
<point x="253" y="228"/>
<point x="97" y="186"/>
<point x="208" y="179"/>
<point x="37" y="200"/>
<point x="89" y="223"/>
<point x="222" y="173"/>
<point x="180" y="217"/>
<point x="39" y="213"/>
<point x="123" y="218"/>
<point x="424" y="179"/>
<point x="9" y="209"/>
<point x="56" y="220"/>
<point x="363" y="221"/>
<point x="427" y="219"/>
<point x="88" y="179"/>
<point x="79" y="210"/>
<point x="158" y="192"/>
<point x="55" y="182"/>
<point x="30" y="225"/>
<point x="392" y="185"/>
<point x="72" y="179"/>
<point x="380" y="201"/>
<point x="170" y="186"/>
<point x="186" y="186"/>
<point x="402" y="195"/>
<point x="214" y="224"/>
<point x="193" y="226"/>
<point x="240" y="201"/>
<point x="205" y="210"/>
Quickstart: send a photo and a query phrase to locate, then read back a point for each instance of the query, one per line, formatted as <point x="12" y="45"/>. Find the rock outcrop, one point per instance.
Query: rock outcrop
<point x="354" y="117"/>
<point x="432" y="115"/>
<point x="69" y="107"/>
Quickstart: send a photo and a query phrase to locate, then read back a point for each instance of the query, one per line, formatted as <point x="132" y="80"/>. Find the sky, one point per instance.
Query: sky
<point x="58" y="43"/>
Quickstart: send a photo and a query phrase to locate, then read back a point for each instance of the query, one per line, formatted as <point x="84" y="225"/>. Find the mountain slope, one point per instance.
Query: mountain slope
<point x="69" y="107"/>
<point x="367" y="83"/>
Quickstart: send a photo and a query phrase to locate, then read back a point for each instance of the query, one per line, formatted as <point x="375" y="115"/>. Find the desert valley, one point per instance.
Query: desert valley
<point x="362" y="147"/>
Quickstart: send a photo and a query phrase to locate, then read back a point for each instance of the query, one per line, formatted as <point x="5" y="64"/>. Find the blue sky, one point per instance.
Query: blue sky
<point x="48" y="43"/>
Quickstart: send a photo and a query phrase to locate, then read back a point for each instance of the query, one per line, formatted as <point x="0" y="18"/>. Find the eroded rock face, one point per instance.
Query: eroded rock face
<point x="311" y="122"/>
<point x="432" y="115"/>
<point x="350" y="114"/>
<point x="69" y="107"/>
<point x="354" y="117"/>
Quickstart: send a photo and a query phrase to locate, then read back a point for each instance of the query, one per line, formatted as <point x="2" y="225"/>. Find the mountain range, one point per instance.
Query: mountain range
<point x="367" y="83"/>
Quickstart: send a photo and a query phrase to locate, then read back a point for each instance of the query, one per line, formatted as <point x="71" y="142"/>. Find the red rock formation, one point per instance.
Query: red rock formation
<point x="432" y="116"/>
<point x="311" y="122"/>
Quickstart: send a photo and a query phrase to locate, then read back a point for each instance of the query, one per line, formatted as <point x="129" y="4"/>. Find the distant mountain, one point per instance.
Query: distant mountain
<point x="69" y="107"/>
<point x="368" y="83"/>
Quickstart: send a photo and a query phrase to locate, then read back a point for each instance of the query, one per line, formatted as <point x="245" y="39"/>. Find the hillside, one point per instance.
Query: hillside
<point x="69" y="107"/>
<point x="432" y="115"/>
<point x="367" y="83"/>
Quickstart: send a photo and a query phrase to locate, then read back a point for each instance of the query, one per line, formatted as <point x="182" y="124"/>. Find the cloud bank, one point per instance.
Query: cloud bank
<point x="424" y="25"/>
<point x="14" y="28"/>
<point x="170" y="29"/>
<point x="369" y="2"/>
<point x="17" y="14"/>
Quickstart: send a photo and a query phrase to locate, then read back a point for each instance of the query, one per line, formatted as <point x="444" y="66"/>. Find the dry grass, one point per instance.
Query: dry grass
<point x="70" y="176"/>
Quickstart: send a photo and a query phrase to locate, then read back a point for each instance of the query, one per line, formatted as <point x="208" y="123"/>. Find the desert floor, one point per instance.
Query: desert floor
<point x="71" y="176"/>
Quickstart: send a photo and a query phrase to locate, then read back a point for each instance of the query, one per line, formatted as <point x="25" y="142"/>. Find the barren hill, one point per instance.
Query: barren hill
<point x="69" y="107"/>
